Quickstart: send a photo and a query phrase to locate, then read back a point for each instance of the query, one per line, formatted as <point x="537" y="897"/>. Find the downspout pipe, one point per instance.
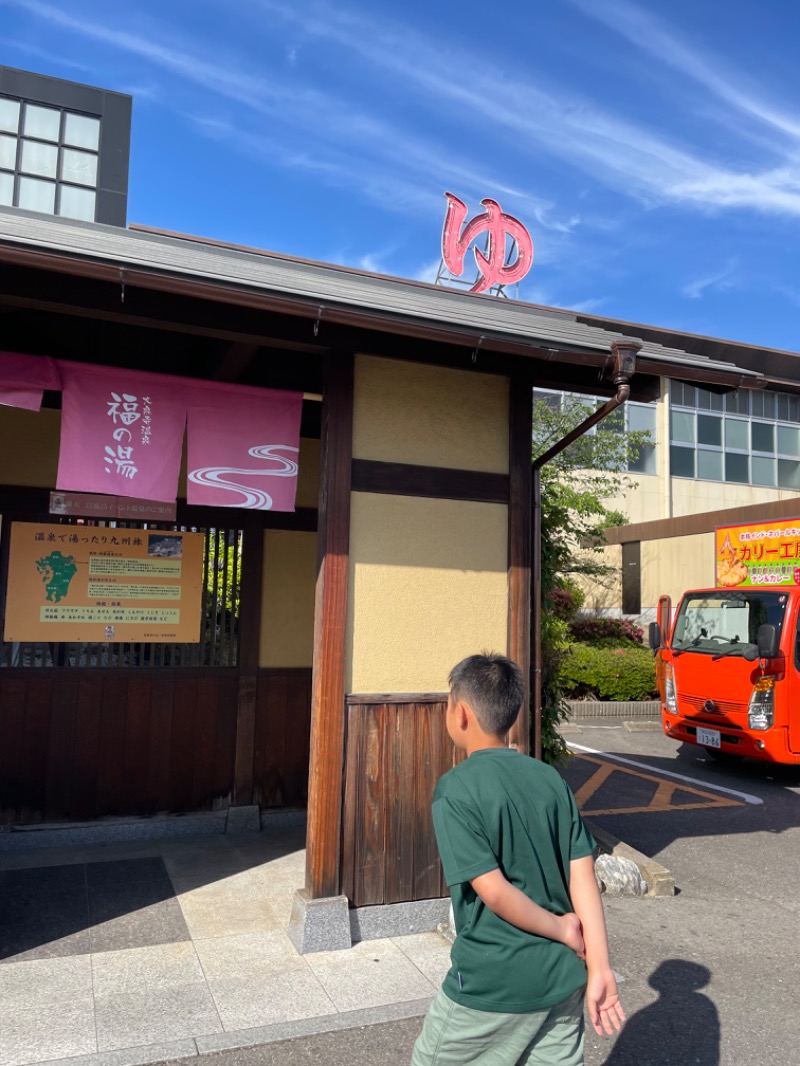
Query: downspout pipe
<point x="624" y="353"/>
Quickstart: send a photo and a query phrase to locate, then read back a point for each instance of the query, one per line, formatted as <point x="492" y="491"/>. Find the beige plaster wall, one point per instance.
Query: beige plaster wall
<point x="645" y="501"/>
<point x="287" y="598"/>
<point x="430" y="416"/>
<point x="29" y="447"/>
<point x="428" y="586"/>
<point x="669" y="567"/>
<point x="695" y="497"/>
<point x="604" y="594"/>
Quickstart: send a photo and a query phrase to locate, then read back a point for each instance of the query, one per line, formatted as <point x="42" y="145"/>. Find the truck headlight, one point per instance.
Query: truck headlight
<point x="761" y="712"/>
<point x="670" y="693"/>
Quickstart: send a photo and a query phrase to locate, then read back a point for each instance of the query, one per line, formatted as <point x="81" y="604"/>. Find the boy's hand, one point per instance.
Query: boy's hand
<point x="572" y="934"/>
<point x="602" y="1002"/>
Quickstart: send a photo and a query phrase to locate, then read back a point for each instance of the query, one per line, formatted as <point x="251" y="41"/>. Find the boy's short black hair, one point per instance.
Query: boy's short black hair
<point x="492" y="686"/>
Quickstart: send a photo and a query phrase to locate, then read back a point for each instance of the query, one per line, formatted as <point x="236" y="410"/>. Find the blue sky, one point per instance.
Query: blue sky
<point x="652" y="149"/>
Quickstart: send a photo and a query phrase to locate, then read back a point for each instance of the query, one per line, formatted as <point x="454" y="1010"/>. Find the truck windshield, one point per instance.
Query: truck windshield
<point x="722" y="621"/>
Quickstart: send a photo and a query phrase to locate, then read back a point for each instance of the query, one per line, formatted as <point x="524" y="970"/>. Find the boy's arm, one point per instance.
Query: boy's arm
<point x="602" y="1001"/>
<point x="509" y="903"/>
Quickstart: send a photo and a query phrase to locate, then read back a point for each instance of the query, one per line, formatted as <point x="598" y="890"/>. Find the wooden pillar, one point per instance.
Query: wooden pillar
<point x="249" y="639"/>
<point x="326" y="768"/>
<point x="519" y="544"/>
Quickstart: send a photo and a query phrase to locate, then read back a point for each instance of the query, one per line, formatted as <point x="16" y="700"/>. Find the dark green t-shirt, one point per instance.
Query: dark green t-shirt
<point x="502" y="809"/>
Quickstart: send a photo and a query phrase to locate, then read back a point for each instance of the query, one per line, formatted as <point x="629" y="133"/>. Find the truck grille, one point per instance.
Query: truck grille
<point x="700" y="705"/>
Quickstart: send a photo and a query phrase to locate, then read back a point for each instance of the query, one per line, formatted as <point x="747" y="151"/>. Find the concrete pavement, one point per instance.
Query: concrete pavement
<point x="141" y="951"/>
<point x="162" y="950"/>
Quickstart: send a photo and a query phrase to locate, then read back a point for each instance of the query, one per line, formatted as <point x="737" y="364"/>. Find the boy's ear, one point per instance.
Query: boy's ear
<point x="462" y="714"/>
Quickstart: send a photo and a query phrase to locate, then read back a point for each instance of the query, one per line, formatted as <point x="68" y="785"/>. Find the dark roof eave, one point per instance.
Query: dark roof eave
<point x="423" y="325"/>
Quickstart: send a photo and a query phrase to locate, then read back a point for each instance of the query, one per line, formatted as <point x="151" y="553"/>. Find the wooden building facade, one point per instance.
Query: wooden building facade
<point x="410" y="547"/>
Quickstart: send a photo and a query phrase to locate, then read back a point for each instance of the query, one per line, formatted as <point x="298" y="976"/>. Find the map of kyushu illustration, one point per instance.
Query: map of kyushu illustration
<point x="57" y="572"/>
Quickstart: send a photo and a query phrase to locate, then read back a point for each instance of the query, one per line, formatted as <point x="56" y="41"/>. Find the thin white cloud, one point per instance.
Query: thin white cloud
<point x="339" y="169"/>
<point x="428" y="271"/>
<point x="588" y="306"/>
<point x="652" y="35"/>
<point x="374" y="262"/>
<point x="41" y="53"/>
<point x="627" y="155"/>
<point x="721" y="280"/>
<point x="376" y="156"/>
<point x="153" y="93"/>
<point x="792" y="294"/>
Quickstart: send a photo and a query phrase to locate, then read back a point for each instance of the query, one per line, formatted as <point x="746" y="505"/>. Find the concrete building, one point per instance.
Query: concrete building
<point x="718" y="457"/>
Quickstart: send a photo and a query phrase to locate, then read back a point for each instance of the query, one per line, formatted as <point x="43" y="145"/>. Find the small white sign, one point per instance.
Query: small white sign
<point x="709" y="738"/>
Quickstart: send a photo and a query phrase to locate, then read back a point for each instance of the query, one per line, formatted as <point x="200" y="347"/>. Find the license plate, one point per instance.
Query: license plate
<point x="709" y="738"/>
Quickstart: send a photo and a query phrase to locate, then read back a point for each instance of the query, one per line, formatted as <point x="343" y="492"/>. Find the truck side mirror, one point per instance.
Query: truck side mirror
<point x="767" y="640"/>
<point x="654" y="636"/>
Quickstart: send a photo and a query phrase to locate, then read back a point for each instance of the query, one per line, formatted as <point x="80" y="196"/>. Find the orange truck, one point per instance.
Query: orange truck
<point x="728" y="664"/>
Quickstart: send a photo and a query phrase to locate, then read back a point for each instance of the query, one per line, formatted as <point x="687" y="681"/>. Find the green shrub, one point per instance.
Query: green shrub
<point x="621" y="673"/>
<point x="592" y="630"/>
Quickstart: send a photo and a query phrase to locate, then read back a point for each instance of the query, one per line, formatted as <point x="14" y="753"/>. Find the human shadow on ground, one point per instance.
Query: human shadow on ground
<point x="682" y="1026"/>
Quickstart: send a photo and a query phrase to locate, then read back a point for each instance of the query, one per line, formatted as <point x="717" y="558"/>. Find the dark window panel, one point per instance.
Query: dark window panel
<point x="681" y="461"/>
<point x="737" y="468"/>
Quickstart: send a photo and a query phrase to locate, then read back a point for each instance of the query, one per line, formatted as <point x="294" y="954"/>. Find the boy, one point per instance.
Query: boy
<point x="518" y="861"/>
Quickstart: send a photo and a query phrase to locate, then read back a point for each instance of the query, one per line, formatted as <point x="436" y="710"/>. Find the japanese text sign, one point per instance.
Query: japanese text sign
<point x="764" y="553"/>
<point x="497" y="225"/>
<point x="103" y="584"/>
<point x="121" y="432"/>
<point x="122" y="435"/>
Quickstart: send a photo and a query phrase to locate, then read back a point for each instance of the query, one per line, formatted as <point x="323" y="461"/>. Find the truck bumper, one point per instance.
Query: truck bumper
<point x="770" y="746"/>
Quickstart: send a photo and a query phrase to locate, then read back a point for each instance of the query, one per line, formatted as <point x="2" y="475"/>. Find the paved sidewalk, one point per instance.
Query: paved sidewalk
<point x="136" y="952"/>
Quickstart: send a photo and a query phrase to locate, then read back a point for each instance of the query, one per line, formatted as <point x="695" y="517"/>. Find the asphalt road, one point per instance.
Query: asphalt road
<point x="709" y="977"/>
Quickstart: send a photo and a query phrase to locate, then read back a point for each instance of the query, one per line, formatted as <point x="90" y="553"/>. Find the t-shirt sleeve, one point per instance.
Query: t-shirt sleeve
<point x="463" y="847"/>
<point x="581" y="841"/>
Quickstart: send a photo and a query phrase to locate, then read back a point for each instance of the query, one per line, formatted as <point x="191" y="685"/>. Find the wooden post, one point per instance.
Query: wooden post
<point x="326" y="768"/>
<point x="249" y="640"/>
<point x="519" y="545"/>
<point x="536" y="626"/>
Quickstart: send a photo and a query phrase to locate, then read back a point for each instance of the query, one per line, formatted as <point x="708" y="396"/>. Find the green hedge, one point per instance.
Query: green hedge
<point x="622" y="673"/>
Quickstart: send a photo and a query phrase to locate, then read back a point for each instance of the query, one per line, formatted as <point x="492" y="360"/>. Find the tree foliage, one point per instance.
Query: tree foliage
<point x="577" y="487"/>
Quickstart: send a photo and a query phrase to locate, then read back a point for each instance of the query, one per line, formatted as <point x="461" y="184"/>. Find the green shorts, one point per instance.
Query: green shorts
<point x="454" y="1035"/>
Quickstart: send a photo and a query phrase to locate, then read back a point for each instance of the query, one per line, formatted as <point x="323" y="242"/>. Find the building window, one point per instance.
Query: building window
<point x="48" y="159"/>
<point x="681" y="461"/>
<point x="632" y="417"/>
<point x="753" y="440"/>
<point x="641" y="418"/>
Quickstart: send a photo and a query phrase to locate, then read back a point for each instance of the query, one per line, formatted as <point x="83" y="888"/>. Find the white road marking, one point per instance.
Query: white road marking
<point x="668" y="773"/>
